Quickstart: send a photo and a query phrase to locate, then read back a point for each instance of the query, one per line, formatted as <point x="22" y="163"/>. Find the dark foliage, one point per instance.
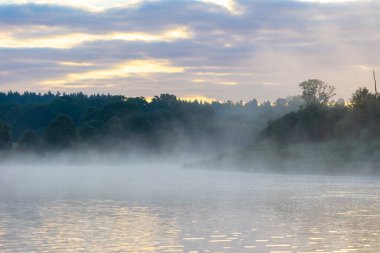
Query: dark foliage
<point x="336" y="137"/>
<point x="29" y="141"/>
<point x="101" y="120"/>
<point x="61" y="133"/>
<point x="359" y="121"/>
<point x="313" y="123"/>
<point x="5" y="137"/>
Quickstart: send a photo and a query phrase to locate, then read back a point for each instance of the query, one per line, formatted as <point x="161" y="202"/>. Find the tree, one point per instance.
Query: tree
<point x="315" y="91"/>
<point x="166" y="100"/>
<point x="5" y="137"/>
<point x="252" y="104"/>
<point x="361" y="97"/>
<point x="30" y="140"/>
<point x="61" y="132"/>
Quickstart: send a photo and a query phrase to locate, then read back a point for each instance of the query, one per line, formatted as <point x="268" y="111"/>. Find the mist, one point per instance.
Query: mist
<point x="197" y="126"/>
<point x="230" y="182"/>
<point x="98" y="202"/>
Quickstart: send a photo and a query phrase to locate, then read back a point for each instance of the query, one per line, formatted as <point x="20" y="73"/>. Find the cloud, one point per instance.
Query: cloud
<point x="123" y="70"/>
<point x="89" y="5"/>
<point x="228" y="83"/>
<point x="70" y="40"/>
<point x="76" y="64"/>
<point x="198" y="80"/>
<point x="329" y="1"/>
<point x="230" y="5"/>
<point x="219" y="49"/>
<point x="100" y="5"/>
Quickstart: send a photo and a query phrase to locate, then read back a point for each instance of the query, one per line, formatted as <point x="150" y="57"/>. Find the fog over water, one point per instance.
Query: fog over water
<point x="159" y="205"/>
<point x="189" y="126"/>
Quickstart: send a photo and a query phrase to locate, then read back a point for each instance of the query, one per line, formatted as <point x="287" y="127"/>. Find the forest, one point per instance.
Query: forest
<point x="323" y="135"/>
<point x="310" y="129"/>
<point x="32" y="122"/>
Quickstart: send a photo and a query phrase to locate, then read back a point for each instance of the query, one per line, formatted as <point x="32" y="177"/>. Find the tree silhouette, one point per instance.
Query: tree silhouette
<point x="5" y="137"/>
<point x="361" y="97"/>
<point x="315" y="91"/>
<point x="29" y="140"/>
<point x="61" y="132"/>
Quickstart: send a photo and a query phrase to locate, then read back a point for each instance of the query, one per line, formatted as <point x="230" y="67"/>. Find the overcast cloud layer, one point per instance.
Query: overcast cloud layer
<point x="227" y="49"/>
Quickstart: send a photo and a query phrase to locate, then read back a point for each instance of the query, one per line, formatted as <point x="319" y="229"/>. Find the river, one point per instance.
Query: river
<point x="166" y="208"/>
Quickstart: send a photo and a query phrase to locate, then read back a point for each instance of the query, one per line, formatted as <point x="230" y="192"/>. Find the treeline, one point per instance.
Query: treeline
<point x="37" y="122"/>
<point x="359" y="120"/>
<point x="336" y="136"/>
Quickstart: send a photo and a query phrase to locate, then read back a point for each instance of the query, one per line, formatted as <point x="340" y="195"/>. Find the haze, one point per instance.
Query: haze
<point x="189" y="126"/>
<point x="225" y="50"/>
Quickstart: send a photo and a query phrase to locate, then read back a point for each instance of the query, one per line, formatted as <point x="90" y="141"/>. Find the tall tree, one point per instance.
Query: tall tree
<point x="315" y="91"/>
<point x="361" y="97"/>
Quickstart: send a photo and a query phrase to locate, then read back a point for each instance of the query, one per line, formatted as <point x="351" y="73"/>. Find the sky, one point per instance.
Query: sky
<point x="206" y="49"/>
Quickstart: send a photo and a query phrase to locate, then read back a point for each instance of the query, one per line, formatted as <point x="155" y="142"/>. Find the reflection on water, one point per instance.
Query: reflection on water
<point x="89" y="226"/>
<point x="197" y="212"/>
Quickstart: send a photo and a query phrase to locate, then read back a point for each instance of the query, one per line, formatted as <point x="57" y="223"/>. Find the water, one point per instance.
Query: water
<point x="167" y="209"/>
